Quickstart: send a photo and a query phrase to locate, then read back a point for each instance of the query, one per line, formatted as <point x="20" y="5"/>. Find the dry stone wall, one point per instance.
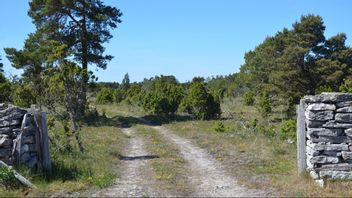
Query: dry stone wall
<point x="10" y="127"/>
<point x="328" y="135"/>
<point x="22" y="138"/>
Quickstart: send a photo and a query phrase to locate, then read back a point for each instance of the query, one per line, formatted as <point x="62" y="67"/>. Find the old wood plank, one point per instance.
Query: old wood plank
<point x="37" y="118"/>
<point x="18" y="176"/>
<point x="45" y="143"/>
<point x="301" y="139"/>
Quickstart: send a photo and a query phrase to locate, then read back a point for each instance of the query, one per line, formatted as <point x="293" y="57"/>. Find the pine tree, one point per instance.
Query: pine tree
<point x="83" y="26"/>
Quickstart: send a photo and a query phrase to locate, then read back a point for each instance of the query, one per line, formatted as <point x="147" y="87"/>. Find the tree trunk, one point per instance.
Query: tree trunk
<point x="74" y="116"/>
<point x="75" y="132"/>
<point x="85" y="78"/>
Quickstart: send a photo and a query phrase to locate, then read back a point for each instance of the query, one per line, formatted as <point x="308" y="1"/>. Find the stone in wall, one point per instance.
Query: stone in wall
<point x="17" y="135"/>
<point x="329" y="135"/>
<point x="10" y="126"/>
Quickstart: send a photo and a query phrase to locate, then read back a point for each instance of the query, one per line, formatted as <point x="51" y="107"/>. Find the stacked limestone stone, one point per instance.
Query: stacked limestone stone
<point x="17" y="138"/>
<point x="10" y="127"/>
<point x="329" y="135"/>
<point x="29" y="155"/>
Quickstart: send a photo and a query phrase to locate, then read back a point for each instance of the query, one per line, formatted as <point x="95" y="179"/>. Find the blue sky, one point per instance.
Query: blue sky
<point x="185" y="38"/>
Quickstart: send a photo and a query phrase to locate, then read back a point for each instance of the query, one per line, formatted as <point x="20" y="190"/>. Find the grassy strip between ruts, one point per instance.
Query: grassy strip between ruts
<point x="169" y="167"/>
<point x="256" y="160"/>
<point x="73" y="172"/>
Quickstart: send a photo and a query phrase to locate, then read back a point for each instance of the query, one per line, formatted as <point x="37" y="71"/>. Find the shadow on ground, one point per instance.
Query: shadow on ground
<point x="142" y="157"/>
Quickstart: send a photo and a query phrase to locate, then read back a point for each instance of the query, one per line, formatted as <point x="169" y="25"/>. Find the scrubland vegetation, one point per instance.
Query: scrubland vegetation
<point x="246" y="120"/>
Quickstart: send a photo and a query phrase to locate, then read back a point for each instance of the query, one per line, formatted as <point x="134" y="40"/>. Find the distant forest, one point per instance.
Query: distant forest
<point x="279" y="71"/>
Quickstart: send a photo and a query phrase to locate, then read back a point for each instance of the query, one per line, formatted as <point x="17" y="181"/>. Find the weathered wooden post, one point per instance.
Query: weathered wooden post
<point x="45" y="143"/>
<point x="301" y="139"/>
<point x="42" y="137"/>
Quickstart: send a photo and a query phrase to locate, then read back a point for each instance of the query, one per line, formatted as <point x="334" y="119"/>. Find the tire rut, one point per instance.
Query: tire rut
<point x="207" y="176"/>
<point x="137" y="177"/>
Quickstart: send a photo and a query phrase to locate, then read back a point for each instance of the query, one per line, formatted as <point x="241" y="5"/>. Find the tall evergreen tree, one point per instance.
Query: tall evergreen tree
<point x="32" y="59"/>
<point x="125" y="84"/>
<point x="297" y="62"/>
<point x="5" y="86"/>
<point x="1" y="66"/>
<point x="83" y="25"/>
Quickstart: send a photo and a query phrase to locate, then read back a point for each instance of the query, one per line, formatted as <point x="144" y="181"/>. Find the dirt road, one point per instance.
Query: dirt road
<point x="205" y="176"/>
<point x="137" y="178"/>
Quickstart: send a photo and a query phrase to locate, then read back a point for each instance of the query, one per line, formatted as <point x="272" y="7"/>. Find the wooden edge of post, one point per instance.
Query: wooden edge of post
<point x="45" y="143"/>
<point x="18" y="176"/>
<point x="301" y="139"/>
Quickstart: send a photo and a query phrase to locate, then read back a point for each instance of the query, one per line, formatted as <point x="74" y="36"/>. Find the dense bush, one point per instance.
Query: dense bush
<point x="263" y="104"/>
<point x="24" y="95"/>
<point x="288" y="130"/>
<point x="346" y="86"/>
<point x="105" y="95"/>
<point x="163" y="96"/>
<point x="248" y="98"/>
<point x="119" y="95"/>
<point x="134" y="94"/>
<point x="199" y="103"/>
<point x="5" y="89"/>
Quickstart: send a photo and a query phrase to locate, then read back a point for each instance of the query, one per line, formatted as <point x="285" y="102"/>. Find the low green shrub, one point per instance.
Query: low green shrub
<point x="5" y="89"/>
<point x="199" y="103"/>
<point x="262" y="127"/>
<point x="7" y="178"/>
<point x="105" y="95"/>
<point x="24" y="96"/>
<point x="263" y="104"/>
<point x="119" y="95"/>
<point x="288" y="130"/>
<point x="248" y="98"/>
<point x="219" y="127"/>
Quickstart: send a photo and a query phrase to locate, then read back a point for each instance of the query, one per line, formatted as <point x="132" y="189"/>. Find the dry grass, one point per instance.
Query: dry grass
<point x="95" y="168"/>
<point x="169" y="167"/>
<point x="258" y="161"/>
<point x="121" y="109"/>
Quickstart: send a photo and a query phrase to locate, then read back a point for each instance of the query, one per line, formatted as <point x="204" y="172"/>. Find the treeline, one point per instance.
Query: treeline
<point x="292" y="63"/>
<point x="296" y="62"/>
<point x="276" y="74"/>
<point x="164" y="95"/>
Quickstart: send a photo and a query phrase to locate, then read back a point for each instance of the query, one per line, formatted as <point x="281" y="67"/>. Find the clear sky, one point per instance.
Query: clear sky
<point x="185" y="38"/>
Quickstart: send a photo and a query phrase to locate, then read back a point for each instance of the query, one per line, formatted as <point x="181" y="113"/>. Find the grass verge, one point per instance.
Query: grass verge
<point x="259" y="159"/>
<point x="74" y="171"/>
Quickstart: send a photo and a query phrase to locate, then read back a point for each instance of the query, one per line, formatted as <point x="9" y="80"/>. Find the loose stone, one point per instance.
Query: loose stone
<point x="342" y="175"/>
<point x="321" y="107"/>
<point x="324" y="132"/>
<point x="319" y="115"/>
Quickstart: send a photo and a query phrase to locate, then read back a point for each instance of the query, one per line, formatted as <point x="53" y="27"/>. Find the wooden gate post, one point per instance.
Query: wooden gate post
<point x="45" y="144"/>
<point x="301" y="139"/>
<point x="42" y="141"/>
